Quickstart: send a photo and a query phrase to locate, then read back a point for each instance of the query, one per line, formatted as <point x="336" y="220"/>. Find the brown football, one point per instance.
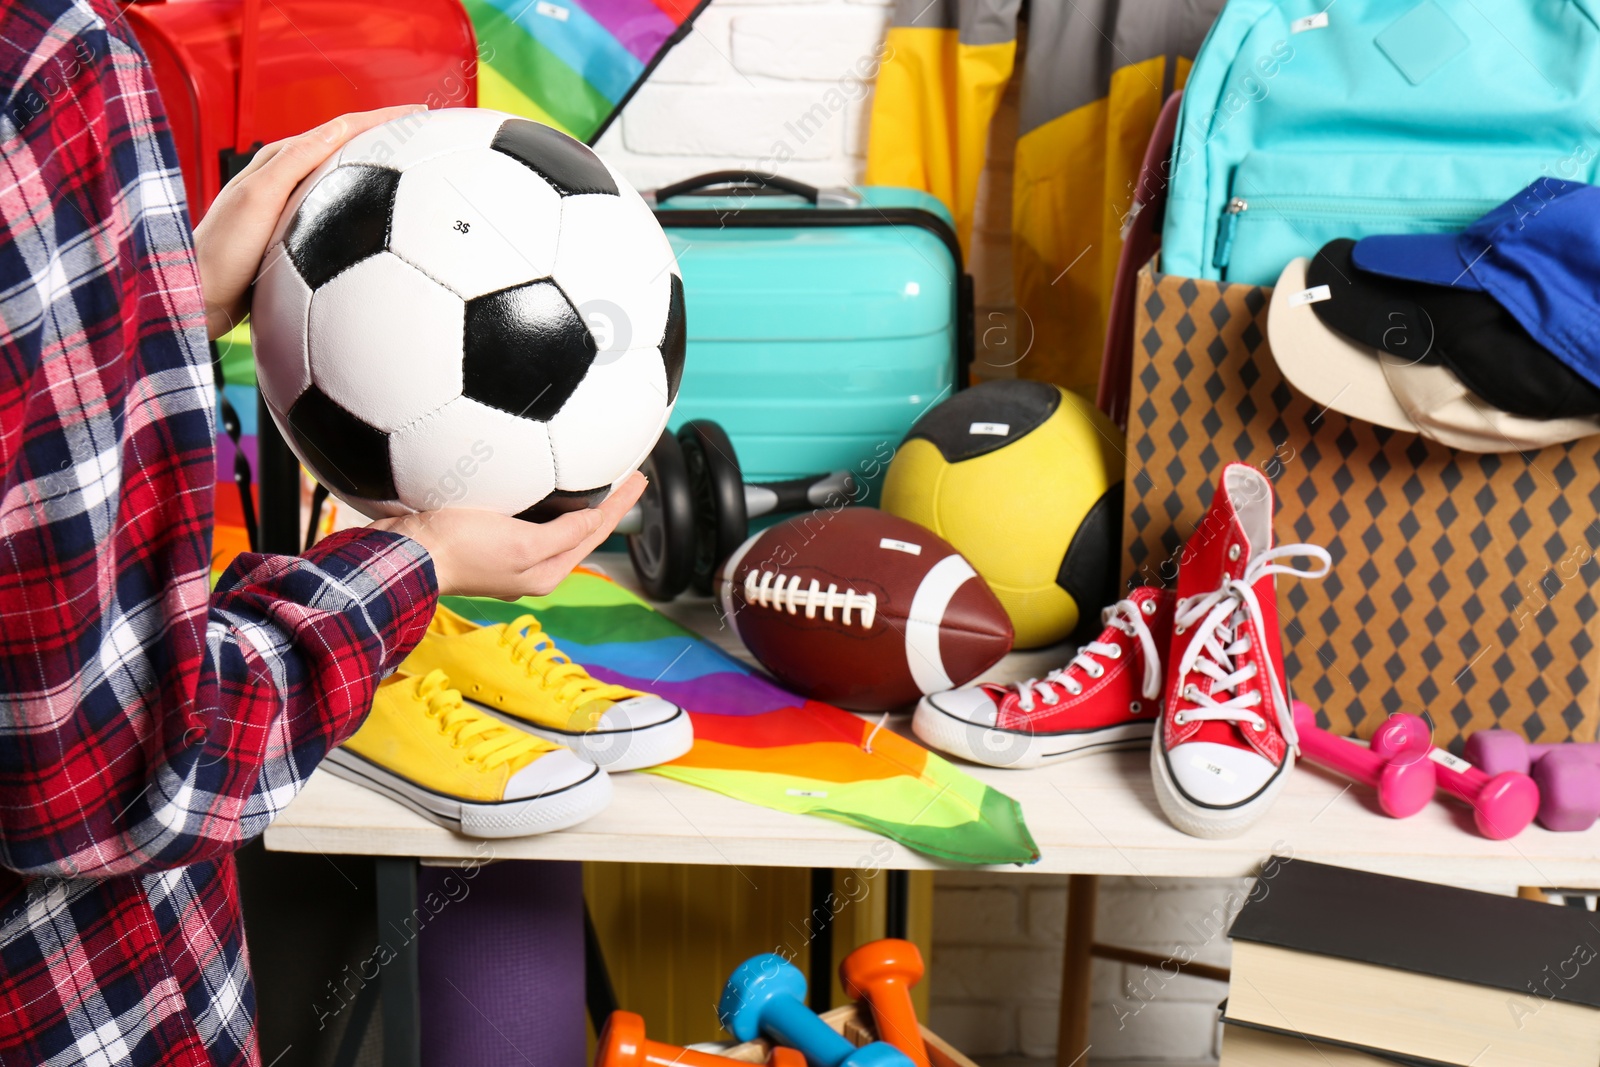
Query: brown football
<point x="861" y="609"/>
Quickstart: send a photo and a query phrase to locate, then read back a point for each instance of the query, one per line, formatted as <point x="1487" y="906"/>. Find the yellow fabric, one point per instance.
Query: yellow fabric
<point x="1042" y="485"/>
<point x="421" y="729"/>
<point x="1074" y="182"/>
<point x="498" y="94"/>
<point x="930" y="116"/>
<point x="516" y="669"/>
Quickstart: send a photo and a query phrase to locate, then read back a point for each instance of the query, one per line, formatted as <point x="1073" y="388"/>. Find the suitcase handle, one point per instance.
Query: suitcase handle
<point x="753" y="179"/>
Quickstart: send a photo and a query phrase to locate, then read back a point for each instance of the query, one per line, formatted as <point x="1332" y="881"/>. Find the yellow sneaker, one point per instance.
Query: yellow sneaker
<point x="515" y="671"/>
<point x="448" y="761"/>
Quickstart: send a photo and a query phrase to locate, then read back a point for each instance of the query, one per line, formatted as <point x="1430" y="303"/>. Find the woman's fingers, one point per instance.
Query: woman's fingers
<point x="604" y="518"/>
<point x="479" y="553"/>
<point x="231" y="239"/>
<point x="622" y="500"/>
<point x="545" y="541"/>
<point x="299" y="156"/>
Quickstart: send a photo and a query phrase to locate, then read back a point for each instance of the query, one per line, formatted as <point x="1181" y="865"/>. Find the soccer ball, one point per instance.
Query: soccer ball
<point x="466" y="308"/>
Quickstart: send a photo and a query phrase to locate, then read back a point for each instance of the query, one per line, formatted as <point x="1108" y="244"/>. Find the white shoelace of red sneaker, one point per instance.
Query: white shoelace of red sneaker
<point x="1126" y="616"/>
<point x="1217" y="620"/>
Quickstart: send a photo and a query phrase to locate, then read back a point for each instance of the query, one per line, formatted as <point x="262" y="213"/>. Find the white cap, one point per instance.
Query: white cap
<point x="1375" y="386"/>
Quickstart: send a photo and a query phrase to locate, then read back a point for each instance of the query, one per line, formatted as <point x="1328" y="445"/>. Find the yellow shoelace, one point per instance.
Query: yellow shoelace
<point x="574" y="686"/>
<point x="488" y="741"/>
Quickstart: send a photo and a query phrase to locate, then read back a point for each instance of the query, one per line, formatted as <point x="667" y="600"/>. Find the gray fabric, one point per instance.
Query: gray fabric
<point x="925" y="14"/>
<point x="980" y="21"/>
<point x="1074" y="46"/>
<point x="989" y="21"/>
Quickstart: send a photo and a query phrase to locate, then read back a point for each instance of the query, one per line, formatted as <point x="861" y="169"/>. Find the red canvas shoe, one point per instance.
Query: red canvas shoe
<point x="1107" y="697"/>
<point x="1227" y="738"/>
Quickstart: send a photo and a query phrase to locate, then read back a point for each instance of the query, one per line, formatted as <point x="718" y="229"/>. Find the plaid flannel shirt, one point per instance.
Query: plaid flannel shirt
<point x="148" y="727"/>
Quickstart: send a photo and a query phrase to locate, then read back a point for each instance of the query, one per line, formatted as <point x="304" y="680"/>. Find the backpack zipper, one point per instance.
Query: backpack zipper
<point x="1455" y="212"/>
<point x="1230" y="224"/>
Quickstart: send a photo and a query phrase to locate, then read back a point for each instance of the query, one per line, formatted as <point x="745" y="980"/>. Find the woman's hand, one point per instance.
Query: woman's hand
<point x="479" y="553"/>
<point x="232" y="238"/>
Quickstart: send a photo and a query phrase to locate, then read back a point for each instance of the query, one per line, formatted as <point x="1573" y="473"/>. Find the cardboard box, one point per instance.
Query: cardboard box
<point x="1463" y="584"/>
<point x="857" y="1026"/>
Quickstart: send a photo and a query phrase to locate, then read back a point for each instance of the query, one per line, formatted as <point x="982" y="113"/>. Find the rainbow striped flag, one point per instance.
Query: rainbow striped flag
<point x="760" y="744"/>
<point x="572" y="64"/>
<point x="229" y="537"/>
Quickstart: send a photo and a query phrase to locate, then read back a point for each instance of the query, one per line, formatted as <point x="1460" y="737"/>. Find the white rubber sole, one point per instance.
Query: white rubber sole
<point x="616" y="750"/>
<point x="542" y="814"/>
<point x="1020" y="749"/>
<point x="1200" y="820"/>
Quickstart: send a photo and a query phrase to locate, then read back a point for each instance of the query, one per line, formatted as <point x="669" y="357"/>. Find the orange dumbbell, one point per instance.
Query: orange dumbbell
<point x="623" y="1044"/>
<point x="882" y="974"/>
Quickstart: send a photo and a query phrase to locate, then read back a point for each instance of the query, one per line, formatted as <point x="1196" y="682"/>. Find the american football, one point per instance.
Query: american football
<point x="862" y="609"/>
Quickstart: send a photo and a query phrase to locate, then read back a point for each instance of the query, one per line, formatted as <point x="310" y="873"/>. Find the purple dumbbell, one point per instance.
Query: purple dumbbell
<point x="1508" y="751"/>
<point x="1568" y="774"/>
<point x="765" y="996"/>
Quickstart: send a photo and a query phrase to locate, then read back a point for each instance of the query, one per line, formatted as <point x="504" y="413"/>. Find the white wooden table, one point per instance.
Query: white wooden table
<point x="1096" y="815"/>
<point x="1092" y="816"/>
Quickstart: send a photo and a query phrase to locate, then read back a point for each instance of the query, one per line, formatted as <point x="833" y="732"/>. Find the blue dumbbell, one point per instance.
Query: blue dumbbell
<point x="766" y="994"/>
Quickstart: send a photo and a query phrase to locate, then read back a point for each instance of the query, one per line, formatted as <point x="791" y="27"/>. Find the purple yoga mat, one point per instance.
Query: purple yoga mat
<point x="502" y="965"/>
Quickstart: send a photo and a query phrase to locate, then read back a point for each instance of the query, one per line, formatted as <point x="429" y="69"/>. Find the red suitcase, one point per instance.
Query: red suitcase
<point x="235" y="74"/>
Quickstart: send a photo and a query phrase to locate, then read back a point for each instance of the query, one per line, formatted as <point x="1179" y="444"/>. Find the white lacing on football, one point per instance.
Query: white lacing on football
<point x="1218" y="619"/>
<point x="774" y="589"/>
<point x="1125" y="616"/>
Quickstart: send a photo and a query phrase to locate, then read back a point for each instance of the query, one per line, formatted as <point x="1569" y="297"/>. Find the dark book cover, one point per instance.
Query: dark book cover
<point x="1543" y="951"/>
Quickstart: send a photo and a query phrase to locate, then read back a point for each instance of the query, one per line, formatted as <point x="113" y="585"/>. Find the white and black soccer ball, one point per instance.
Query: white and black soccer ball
<point x="466" y="308"/>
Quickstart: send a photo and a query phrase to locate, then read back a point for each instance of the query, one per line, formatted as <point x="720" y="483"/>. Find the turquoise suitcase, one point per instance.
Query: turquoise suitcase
<point x="821" y="323"/>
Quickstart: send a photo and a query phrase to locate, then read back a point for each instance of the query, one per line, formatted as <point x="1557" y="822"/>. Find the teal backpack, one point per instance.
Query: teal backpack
<point x="1304" y="121"/>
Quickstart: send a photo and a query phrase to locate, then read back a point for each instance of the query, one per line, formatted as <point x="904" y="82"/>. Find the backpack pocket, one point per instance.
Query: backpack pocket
<point x="1283" y="206"/>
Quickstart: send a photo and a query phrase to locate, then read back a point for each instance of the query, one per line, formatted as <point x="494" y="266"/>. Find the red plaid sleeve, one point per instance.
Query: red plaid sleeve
<point x="280" y="668"/>
<point x="147" y="725"/>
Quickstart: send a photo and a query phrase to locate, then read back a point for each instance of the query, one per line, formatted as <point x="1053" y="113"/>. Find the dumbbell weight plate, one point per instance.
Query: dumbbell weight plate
<point x="663" y="550"/>
<point x="1497" y="751"/>
<point x="1569" y="790"/>
<point x="717" y="485"/>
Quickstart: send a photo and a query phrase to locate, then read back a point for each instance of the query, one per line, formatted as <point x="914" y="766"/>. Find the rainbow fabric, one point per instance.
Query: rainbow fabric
<point x="760" y="744"/>
<point x="572" y="63"/>
<point x="239" y="371"/>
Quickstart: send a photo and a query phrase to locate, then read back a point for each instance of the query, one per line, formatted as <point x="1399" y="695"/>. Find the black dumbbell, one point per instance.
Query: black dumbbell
<point x="697" y="508"/>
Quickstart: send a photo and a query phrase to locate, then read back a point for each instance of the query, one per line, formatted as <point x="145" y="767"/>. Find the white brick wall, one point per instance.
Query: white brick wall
<point x="996" y="967"/>
<point x="784" y="85"/>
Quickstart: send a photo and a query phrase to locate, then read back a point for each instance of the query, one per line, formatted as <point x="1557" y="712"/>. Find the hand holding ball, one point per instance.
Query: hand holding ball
<point x="463" y="308"/>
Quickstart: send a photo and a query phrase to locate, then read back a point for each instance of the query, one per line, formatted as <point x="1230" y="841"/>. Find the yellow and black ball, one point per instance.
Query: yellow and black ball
<point x="1025" y="480"/>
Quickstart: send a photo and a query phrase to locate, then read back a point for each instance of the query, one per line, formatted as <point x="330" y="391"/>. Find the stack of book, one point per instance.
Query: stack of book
<point x="1341" y="968"/>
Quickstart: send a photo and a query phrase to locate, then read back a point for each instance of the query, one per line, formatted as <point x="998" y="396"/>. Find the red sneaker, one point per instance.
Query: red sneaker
<point x="1106" y="697"/>
<point x="1227" y="737"/>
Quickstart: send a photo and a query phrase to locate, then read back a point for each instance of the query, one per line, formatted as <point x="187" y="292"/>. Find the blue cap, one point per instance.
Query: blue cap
<point x="1538" y="254"/>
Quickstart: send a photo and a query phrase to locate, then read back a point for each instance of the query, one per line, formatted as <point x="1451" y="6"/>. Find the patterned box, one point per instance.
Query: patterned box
<point x="1463" y="585"/>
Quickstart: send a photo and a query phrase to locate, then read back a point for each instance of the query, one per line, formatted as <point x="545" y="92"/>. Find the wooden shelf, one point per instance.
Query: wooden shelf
<point x="1096" y="815"/>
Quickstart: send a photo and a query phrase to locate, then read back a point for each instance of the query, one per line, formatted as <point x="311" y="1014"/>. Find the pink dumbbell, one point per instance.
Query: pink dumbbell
<point x="1502" y="804"/>
<point x="1405" y="778"/>
<point x="1567" y="774"/>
